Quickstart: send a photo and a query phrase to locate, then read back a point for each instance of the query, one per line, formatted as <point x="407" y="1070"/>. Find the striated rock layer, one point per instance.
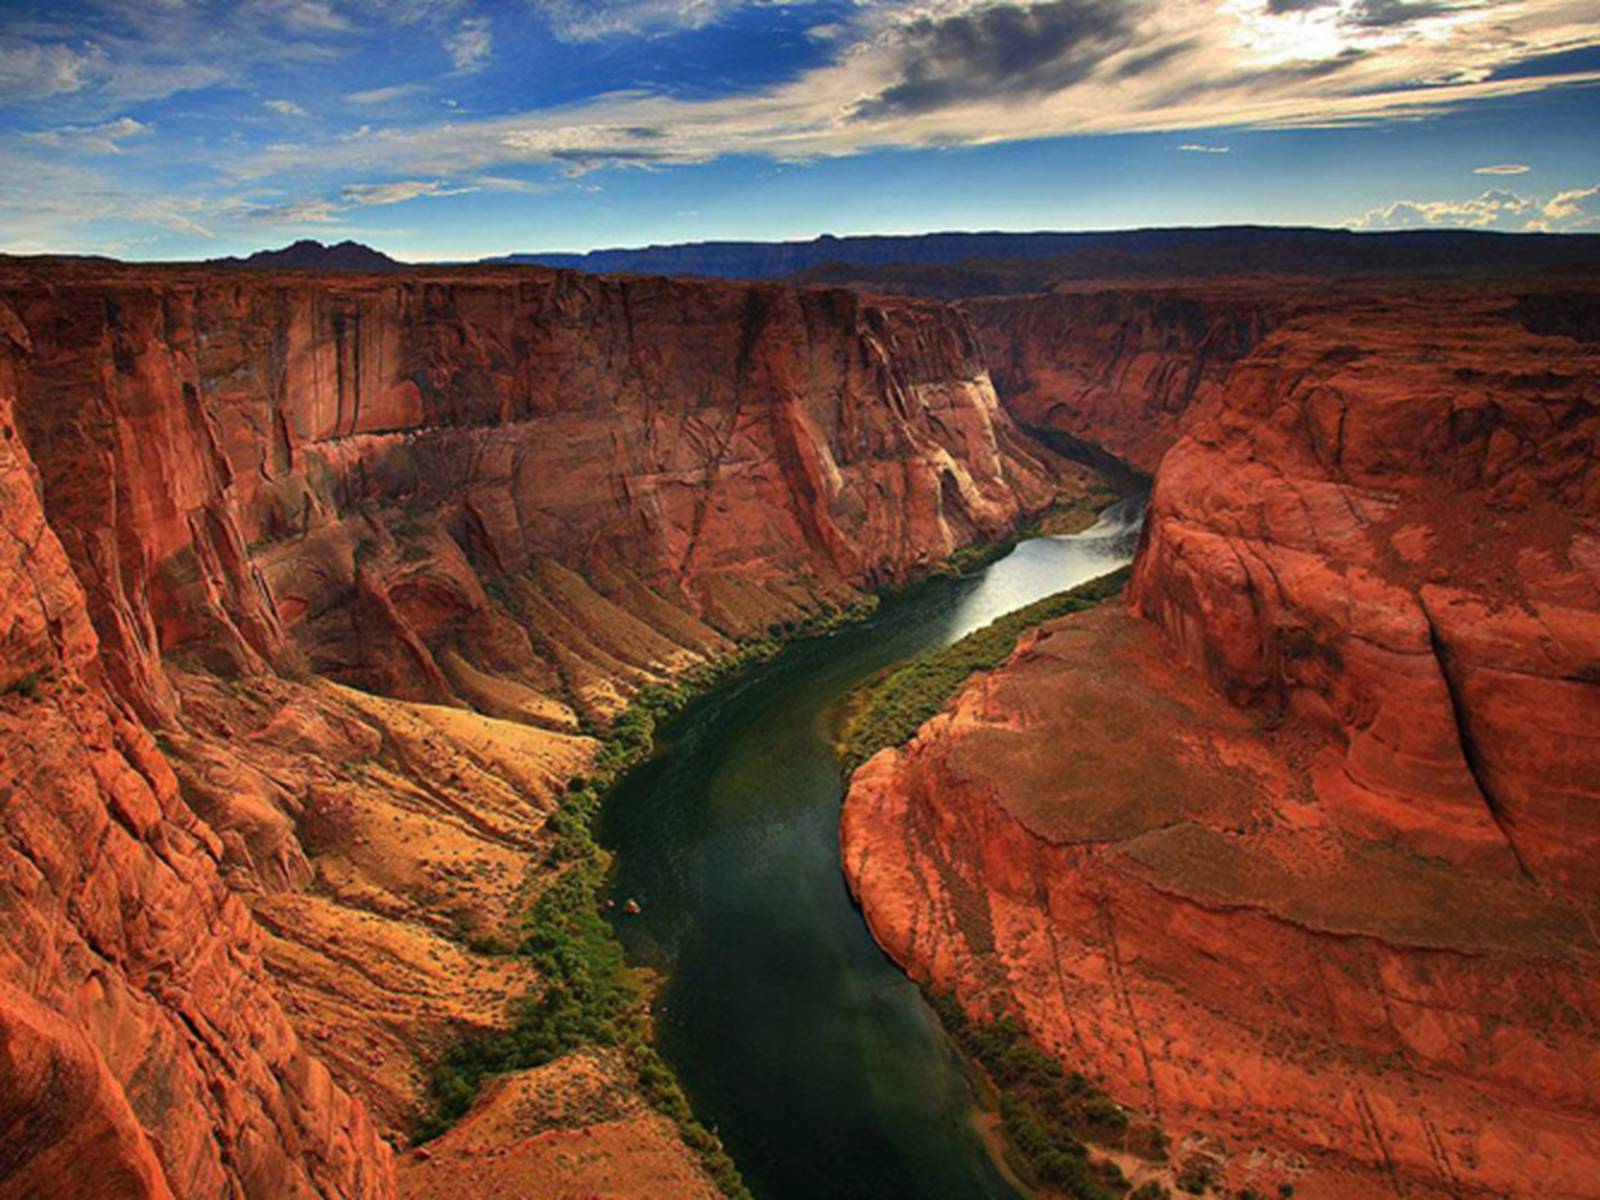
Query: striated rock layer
<point x="257" y="470"/>
<point x="1124" y="366"/>
<point x="368" y="555"/>
<point x="1304" y="860"/>
<point x="142" y="1044"/>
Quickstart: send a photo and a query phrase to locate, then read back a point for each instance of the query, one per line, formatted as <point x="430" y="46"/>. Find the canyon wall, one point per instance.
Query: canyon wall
<point x="235" y="462"/>
<point x="1123" y="366"/>
<point x="318" y="584"/>
<point x="142" y="1044"/>
<point x="1299" y="854"/>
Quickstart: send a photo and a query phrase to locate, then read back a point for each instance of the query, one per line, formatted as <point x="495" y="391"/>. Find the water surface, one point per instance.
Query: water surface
<point x="817" y="1061"/>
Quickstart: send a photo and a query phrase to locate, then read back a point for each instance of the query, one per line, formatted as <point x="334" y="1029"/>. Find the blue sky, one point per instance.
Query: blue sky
<point x="462" y="128"/>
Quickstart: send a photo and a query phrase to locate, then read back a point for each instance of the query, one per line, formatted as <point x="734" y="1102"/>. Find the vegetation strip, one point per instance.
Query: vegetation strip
<point x="589" y="995"/>
<point x="888" y="711"/>
<point x="1048" y="1114"/>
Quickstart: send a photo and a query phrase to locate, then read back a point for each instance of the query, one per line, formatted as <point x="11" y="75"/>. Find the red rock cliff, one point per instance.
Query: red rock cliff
<point x="1305" y="859"/>
<point x="142" y="1045"/>
<point x="1123" y="365"/>
<point x="231" y="458"/>
<point x="493" y="501"/>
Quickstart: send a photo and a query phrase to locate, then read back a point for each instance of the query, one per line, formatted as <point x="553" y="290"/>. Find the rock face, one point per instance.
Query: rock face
<point x="143" y="1047"/>
<point x="1305" y="858"/>
<point x="1390" y="527"/>
<point x="1123" y="367"/>
<point x="252" y="471"/>
<point x="366" y="552"/>
<point x="575" y="1127"/>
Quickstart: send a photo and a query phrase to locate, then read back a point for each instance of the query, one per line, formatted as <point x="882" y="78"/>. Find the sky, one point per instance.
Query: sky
<point x="456" y="129"/>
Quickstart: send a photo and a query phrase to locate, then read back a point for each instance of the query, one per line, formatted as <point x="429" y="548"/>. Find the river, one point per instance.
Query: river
<point x="817" y="1061"/>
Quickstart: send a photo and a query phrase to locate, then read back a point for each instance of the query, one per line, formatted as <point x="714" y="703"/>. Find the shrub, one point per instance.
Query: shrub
<point x="27" y="686"/>
<point x="1046" y="1113"/>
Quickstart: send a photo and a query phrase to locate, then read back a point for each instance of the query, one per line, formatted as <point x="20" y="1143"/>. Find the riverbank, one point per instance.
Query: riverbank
<point x="590" y="996"/>
<point x="891" y="709"/>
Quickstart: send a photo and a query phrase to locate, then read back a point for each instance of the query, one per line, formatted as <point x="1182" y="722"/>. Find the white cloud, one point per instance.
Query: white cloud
<point x="585" y="21"/>
<point x="31" y="70"/>
<point x="364" y="194"/>
<point x="470" y="45"/>
<point x="90" y="139"/>
<point x="946" y="72"/>
<point x="1198" y="148"/>
<point x="1576" y="208"/>
<point x="318" y="210"/>
<point x="311" y="16"/>
<point x="154" y="81"/>
<point x="1502" y="169"/>
<point x="384" y="95"/>
<point x="287" y="108"/>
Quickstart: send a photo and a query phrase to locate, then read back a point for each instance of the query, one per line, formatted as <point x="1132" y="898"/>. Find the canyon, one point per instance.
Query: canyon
<point x="1294" y="851"/>
<point x="321" y="588"/>
<point x="327" y="587"/>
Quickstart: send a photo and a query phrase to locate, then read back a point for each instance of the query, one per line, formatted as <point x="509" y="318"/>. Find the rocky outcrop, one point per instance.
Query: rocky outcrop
<point x="142" y="1042"/>
<point x="575" y="1127"/>
<point x="367" y="554"/>
<point x="1123" y="367"/>
<point x="1304" y="859"/>
<point x="1390" y="527"/>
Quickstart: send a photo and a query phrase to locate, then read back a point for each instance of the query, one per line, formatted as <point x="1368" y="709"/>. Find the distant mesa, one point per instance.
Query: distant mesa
<point x="308" y="254"/>
<point x="959" y="264"/>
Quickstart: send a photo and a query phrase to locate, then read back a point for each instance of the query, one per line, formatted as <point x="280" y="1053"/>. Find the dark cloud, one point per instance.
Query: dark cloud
<point x="1151" y="60"/>
<point x="1382" y="14"/>
<point x="1373" y="14"/>
<point x="1268" y="80"/>
<point x="1001" y="51"/>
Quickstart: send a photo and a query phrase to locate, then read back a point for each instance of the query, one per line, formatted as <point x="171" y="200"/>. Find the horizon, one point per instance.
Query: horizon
<point x="499" y="258"/>
<point x="451" y="130"/>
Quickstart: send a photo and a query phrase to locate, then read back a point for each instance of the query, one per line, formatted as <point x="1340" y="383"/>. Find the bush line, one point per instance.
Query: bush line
<point x="1048" y="1114"/>
<point x="888" y="711"/>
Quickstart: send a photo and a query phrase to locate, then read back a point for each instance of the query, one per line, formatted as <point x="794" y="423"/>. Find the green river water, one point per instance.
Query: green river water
<point x="817" y="1061"/>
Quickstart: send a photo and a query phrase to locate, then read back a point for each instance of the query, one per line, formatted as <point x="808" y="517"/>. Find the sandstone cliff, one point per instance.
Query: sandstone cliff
<point x="142" y="1044"/>
<point x="368" y="555"/>
<point x="1123" y="367"/>
<point x="1305" y="859"/>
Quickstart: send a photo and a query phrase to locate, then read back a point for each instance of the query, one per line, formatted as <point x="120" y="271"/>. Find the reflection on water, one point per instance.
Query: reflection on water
<point x="1043" y="566"/>
<point x="816" y="1060"/>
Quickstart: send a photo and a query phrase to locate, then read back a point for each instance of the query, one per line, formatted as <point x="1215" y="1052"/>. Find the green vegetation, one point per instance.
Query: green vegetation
<point x="1048" y="1114"/>
<point x="888" y="711"/>
<point x="590" y="997"/>
<point x="1196" y="1177"/>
